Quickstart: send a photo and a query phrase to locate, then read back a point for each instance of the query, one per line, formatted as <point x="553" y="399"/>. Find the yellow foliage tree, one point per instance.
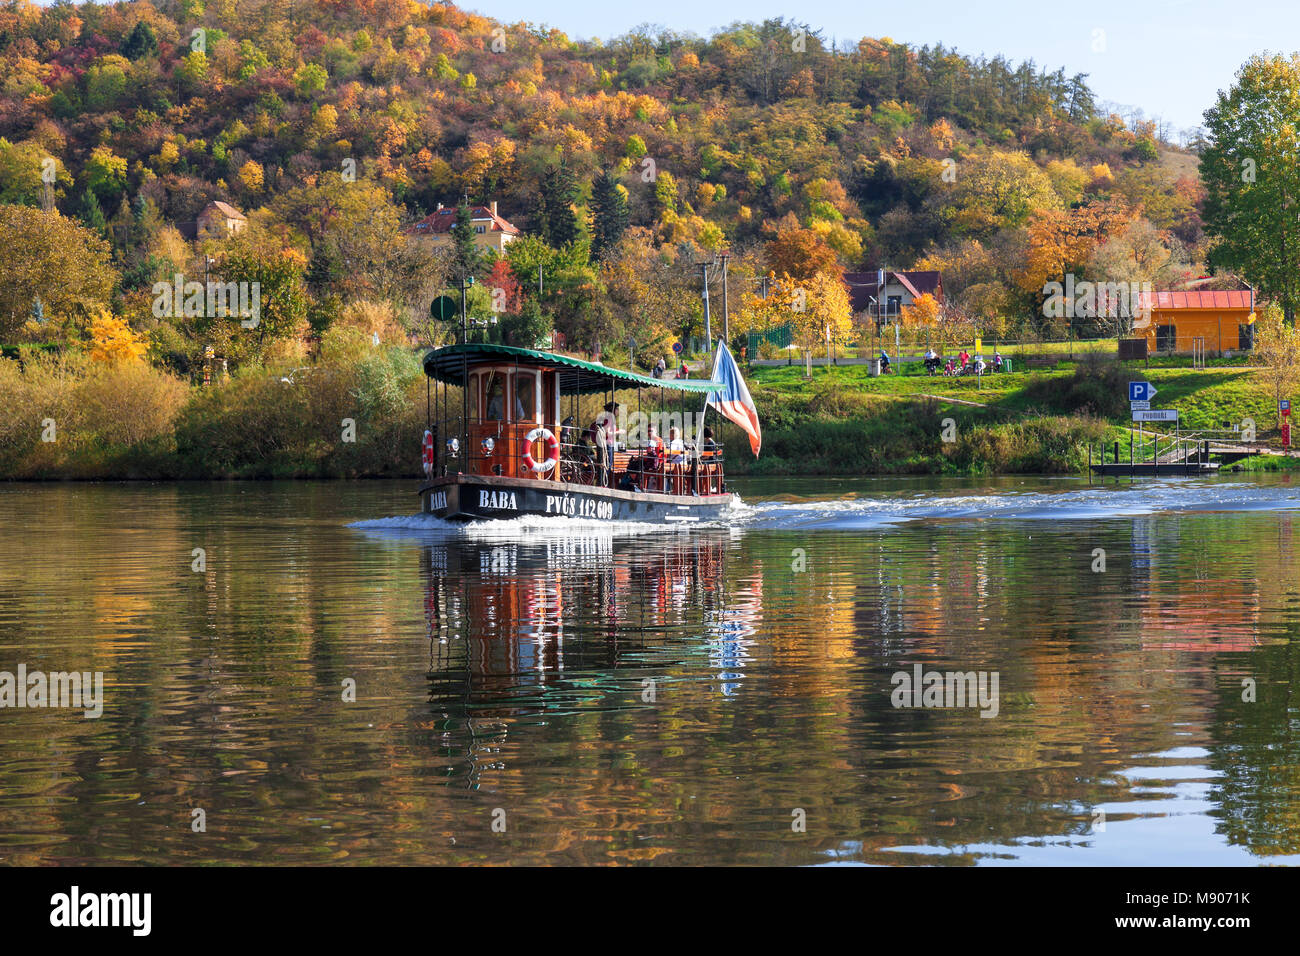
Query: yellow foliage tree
<point x="250" y="174"/>
<point x="114" y="341"/>
<point x="924" y="310"/>
<point x="1277" y="348"/>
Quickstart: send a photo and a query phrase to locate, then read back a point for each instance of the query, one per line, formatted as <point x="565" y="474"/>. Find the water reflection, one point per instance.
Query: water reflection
<point x="653" y="696"/>
<point x="509" y="620"/>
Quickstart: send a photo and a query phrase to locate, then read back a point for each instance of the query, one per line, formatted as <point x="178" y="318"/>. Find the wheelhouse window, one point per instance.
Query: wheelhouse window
<point x="496" y="397"/>
<point x="525" y="397"/>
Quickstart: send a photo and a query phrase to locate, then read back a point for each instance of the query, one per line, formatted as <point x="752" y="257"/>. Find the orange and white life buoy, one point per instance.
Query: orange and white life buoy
<point x="427" y="456"/>
<point x="552" y="451"/>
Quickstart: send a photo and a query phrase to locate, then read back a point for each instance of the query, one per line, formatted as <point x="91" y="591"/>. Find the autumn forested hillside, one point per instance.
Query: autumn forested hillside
<point x="626" y="161"/>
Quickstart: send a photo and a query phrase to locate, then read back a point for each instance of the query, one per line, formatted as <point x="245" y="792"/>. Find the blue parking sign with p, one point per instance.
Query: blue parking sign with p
<point x="1140" y="391"/>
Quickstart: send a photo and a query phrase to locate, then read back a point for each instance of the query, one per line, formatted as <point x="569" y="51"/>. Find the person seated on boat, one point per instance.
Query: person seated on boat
<point x="705" y="448"/>
<point x="652" y="456"/>
<point x="676" y="447"/>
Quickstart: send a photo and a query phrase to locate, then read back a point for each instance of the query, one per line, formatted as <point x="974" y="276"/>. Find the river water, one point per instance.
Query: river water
<point x="301" y="672"/>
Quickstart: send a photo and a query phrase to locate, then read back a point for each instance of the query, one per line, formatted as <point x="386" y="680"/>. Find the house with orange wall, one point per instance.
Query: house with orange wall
<point x="1223" y="320"/>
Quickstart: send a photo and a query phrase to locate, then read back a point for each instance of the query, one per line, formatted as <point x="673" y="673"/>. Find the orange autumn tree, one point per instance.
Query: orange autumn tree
<point x="800" y="254"/>
<point x="924" y="310"/>
<point x="1060" y="241"/>
<point x="114" y="341"/>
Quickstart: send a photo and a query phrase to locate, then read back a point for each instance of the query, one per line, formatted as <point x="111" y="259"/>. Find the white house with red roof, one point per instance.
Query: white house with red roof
<point x="871" y="297"/>
<point x="491" y="231"/>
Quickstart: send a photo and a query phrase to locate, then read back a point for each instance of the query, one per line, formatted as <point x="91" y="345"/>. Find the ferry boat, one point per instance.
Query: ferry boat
<point x="499" y="444"/>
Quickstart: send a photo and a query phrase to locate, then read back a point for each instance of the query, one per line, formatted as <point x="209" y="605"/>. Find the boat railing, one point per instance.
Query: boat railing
<point x="696" y="472"/>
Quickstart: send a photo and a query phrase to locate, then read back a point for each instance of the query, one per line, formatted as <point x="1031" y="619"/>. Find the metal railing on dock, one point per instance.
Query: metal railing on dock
<point x="1182" y="453"/>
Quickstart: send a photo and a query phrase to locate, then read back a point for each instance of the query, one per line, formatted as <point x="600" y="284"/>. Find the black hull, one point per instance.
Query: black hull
<point x="487" y="498"/>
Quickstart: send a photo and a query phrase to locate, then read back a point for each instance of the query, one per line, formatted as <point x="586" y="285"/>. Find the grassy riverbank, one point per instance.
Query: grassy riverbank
<point x="842" y="421"/>
<point x="358" y="411"/>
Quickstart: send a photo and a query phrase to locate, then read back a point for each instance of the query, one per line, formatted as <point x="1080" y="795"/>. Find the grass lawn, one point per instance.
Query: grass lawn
<point x="1205" y="398"/>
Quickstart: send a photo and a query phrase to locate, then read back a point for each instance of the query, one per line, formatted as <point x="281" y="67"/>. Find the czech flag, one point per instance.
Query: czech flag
<point x="733" y="401"/>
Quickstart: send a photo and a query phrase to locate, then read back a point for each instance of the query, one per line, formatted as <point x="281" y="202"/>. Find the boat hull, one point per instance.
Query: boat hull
<point x="488" y="498"/>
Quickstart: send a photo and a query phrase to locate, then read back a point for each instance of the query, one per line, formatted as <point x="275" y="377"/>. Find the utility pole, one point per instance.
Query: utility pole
<point x="708" y="326"/>
<point x="726" y="314"/>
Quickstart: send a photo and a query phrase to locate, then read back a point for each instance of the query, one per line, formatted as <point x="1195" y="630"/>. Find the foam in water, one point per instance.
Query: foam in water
<point x="1076" y="504"/>
<point x="1086" y="503"/>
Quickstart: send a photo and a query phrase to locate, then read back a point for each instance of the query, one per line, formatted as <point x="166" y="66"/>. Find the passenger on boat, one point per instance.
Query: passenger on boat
<point x="602" y="437"/>
<point x="676" y="447"/>
<point x="707" y="448"/>
<point x="651" y="461"/>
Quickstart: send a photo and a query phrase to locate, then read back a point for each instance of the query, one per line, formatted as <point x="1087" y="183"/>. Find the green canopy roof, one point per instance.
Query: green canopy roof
<point x="447" y="364"/>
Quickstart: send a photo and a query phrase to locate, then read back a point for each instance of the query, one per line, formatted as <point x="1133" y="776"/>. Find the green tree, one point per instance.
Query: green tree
<point x="92" y="214"/>
<point x="142" y="41"/>
<point x="609" y="215"/>
<point x="993" y="191"/>
<point x="52" y="258"/>
<point x="559" y="191"/>
<point x="1251" y="174"/>
<point x="528" y="328"/>
<point x="466" y="257"/>
<point x="277" y="274"/>
<point x="309" y="79"/>
<point x="105" y="173"/>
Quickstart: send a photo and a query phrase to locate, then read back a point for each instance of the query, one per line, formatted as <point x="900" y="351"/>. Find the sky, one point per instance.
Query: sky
<point x="1168" y="58"/>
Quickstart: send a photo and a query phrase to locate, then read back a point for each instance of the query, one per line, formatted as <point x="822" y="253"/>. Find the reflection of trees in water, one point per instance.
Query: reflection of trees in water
<point x="1256" y="750"/>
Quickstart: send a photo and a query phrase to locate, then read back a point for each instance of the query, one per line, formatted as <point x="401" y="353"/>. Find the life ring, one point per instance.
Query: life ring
<point x="552" y="451"/>
<point x="427" y="455"/>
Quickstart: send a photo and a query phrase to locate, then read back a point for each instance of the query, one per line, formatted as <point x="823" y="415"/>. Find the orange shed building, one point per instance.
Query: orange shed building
<point x="1175" y="321"/>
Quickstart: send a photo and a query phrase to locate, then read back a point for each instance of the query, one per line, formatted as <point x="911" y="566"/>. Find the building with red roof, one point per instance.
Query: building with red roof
<point x="869" y="297"/>
<point x="491" y="231"/>
<point x="1174" y="321"/>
